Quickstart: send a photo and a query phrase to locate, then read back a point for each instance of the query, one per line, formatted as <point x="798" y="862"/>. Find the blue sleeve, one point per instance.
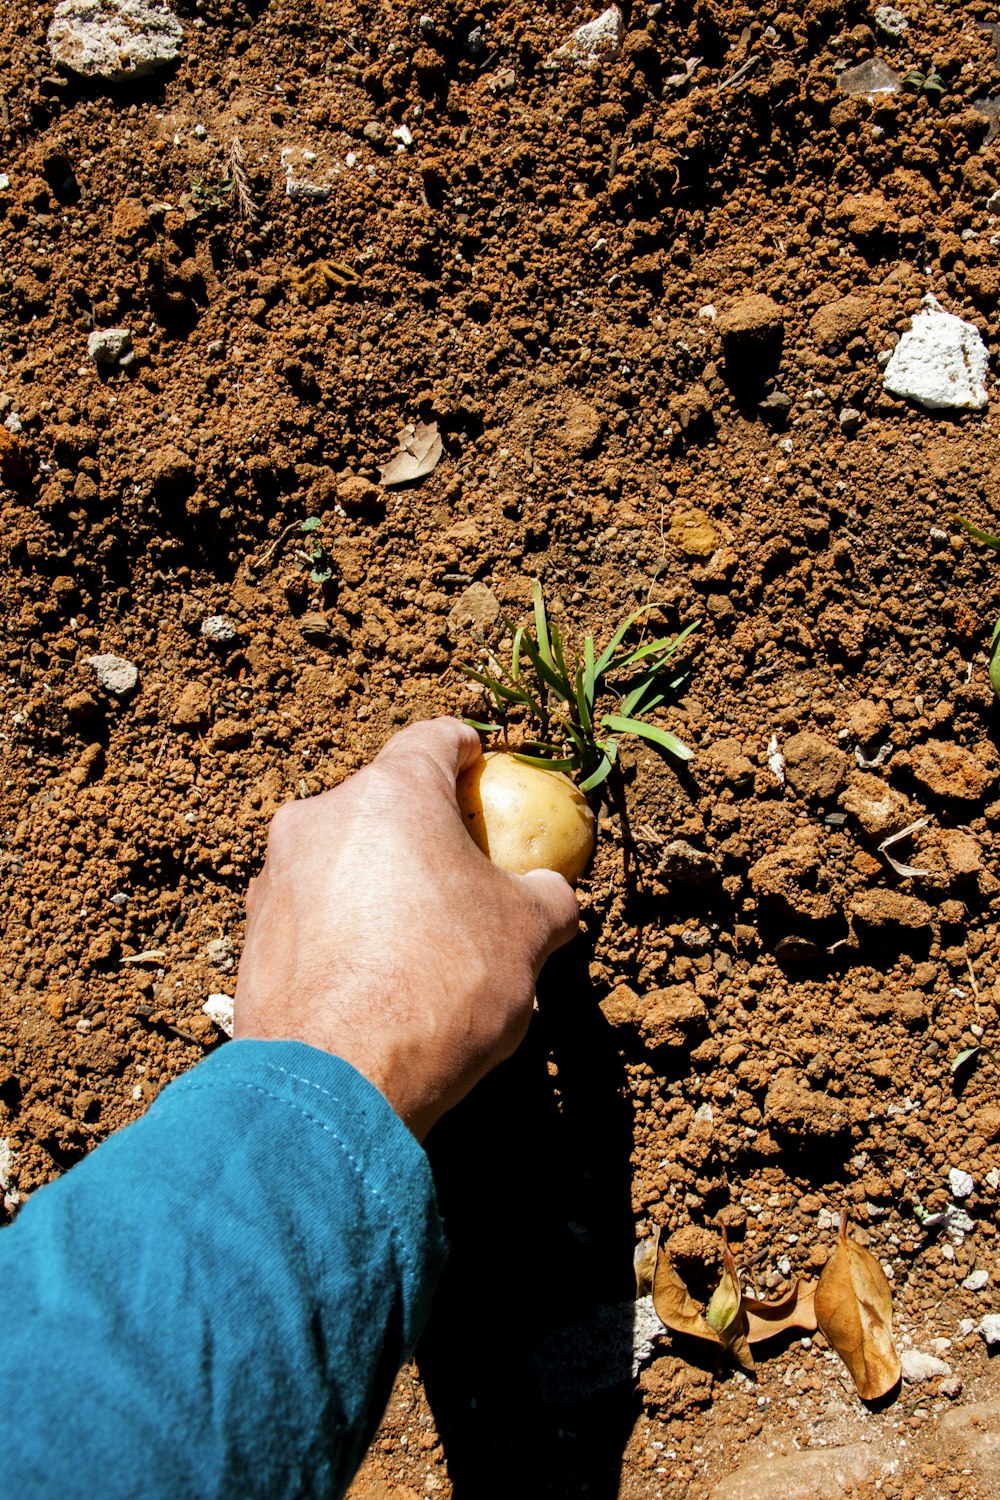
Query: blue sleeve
<point x="216" y="1300"/>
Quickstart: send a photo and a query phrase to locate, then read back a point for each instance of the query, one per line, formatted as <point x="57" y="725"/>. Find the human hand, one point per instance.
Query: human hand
<point x="378" y="931"/>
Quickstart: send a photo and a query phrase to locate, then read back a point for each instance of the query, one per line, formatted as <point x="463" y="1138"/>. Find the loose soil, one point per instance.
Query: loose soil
<point x="759" y="1023"/>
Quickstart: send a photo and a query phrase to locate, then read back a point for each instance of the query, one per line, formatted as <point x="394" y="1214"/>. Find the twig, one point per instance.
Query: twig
<point x="740" y="73"/>
<point x="241" y="183"/>
<point x="256" y="563"/>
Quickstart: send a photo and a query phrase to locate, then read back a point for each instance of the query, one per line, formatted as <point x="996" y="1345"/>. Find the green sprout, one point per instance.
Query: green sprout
<point x="916" y="82"/>
<point x="560" y="696"/>
<point x="994" y="542"/>
<point x="321" y="566"/>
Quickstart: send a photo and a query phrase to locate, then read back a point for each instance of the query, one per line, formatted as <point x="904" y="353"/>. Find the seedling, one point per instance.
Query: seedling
<point x="994" y="542"/>
<point x="321" y="566"/>
<point x="924" y="83"/>
<point x="563" y="699"/>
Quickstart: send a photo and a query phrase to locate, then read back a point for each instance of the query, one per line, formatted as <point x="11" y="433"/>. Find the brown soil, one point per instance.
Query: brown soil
<point x="759" y="1023"/>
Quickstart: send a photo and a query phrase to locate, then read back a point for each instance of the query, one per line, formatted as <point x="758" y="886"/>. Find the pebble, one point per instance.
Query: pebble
<point x="960" y="1182"/>
<point x="109" y="346"/>
<point x="890" y="20"/>
<point x="220" y="953"/>
<point x="475" y="609"/>
<point x="218" y="629"/>
<point x="598" y="41"/>
<point x="940" y="362"/>
<point x="219" y="1009"/>
<point x="976" y="1281"/>
<point x="917" y="1366"/>
<point x="114" y="40"/>
<point x="297" y="185"/>
<point x="115" y="675"/>
<point x="849" y="419"/>
<point x="990" y="1329"/>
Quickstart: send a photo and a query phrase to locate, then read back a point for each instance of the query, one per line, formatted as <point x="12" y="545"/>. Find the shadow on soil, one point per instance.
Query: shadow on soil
<point x="527" y="1358"/>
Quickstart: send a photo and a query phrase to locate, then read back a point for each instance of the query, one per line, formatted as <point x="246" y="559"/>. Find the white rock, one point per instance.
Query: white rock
<point x="940" y="362"/>
<point x="890" y="20"/>
<point x="6" y="1163"/>
<point x="919" y="1366"/>
<point x="960" y="1182"/>
<point x="976" y="1281"/>
<point x="115" y="675"/>
<point x="220" y="953"/>
<point x="114" y="39"/>
<point x="219" y="1009"/>
<point x="217" y="628"/>
<point x="106" y="346"/>
<point x="599" y="41"/>
<point x="990" y="1328"/>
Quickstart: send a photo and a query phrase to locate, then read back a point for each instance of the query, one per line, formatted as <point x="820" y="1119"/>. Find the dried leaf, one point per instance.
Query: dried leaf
<point x="854" y="1311"/>
<point x="420" y="449"/>
<point x="725" y="1315"/>
<point x="675" y="1307"/>
<point x="797" y="1311"/>
<point x="644" y="1263"/>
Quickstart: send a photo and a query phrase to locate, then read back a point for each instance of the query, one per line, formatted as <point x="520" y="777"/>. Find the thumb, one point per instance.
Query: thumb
<point x="558" y="910"/>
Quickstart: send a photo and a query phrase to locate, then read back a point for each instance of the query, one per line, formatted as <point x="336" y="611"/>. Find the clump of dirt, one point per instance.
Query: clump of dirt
<point x="648" y="304"/>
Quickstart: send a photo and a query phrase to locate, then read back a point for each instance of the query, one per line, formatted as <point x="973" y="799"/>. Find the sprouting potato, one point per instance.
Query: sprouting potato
<point x="526" y="818"/>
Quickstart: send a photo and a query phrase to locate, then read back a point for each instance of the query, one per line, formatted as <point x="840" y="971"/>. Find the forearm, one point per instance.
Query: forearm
<point x="216" y="1300"/>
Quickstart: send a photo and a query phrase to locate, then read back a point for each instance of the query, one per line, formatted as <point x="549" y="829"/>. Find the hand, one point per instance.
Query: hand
<point x="378" y="931"/>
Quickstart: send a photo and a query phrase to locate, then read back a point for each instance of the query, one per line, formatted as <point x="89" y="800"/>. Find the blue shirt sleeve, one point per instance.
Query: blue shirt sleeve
<point x="216" y="1300"/>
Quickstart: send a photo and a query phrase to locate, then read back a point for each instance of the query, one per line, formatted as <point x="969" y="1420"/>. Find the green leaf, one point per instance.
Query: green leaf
<point x="547" y="673"/>
<point x="311" y="523"/>
<point x="567" y="763"/>
<point x="589" y="672"/>
<point x="581" y="701"/>
<point x="995" y="667"/>
<point x="964" y="1058"/>
<point x="321" y="575"/>
<point x="557" y="650"/>
<point x="497" y="688"/>
<point x="630" y="703"/>
<point x="650" y="732"/>
<point x="483" y="728"/>
<point x="541" y="625"/>
<point x="607" y="654"/>
<point x="515" y="655"/>
<point x="597" y="777"/>
<point x="977" y="532"/>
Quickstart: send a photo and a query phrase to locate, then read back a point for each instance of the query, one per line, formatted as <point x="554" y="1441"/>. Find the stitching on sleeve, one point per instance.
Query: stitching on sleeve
<point x="368" y="1187"/>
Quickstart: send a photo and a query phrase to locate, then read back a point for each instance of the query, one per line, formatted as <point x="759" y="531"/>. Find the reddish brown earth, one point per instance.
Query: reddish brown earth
<point x="534" y="273"/>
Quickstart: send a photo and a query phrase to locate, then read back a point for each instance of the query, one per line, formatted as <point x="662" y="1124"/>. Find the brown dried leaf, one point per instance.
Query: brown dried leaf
<point x="765" y="1320"/>
<point x="644" y="1264"/>
<point x="854" y="1310"/>
<point x="420" y="449"/>
<point x="725" y="1315"/>
<point x="675" y="1307"/>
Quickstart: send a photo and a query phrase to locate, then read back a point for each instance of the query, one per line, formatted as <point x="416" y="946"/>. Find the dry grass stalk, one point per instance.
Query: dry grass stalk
<point x="245" y="202"/>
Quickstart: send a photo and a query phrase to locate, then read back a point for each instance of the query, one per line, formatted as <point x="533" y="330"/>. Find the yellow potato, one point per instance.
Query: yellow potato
<point x="526" y="818"/>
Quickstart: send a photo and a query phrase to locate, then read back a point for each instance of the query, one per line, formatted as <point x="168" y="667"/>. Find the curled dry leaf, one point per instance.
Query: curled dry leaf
<point x="644" y="1264"/>
<point x="722" y="1323"/>
<point x="854" y="1311"/>
<point x="674" y="1304"/>
<point x="725" y="1315"/>
<point x="796" y="1312"/>
<point x="420" y="448"/>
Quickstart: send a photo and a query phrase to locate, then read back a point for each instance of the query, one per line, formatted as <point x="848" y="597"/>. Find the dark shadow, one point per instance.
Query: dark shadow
<point x="527" y="1357"/>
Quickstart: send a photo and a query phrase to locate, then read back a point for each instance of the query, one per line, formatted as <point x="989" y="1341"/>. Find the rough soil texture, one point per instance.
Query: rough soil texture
<point x="646" y="314"/>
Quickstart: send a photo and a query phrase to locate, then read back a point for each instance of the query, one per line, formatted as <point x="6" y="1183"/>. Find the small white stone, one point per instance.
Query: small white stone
<point x="890" y="20"/>
<point x="993" y="1178"/>
<point x="200" y="132"/>
<point x="217" y="628"/>
<point x="976" y="1281"/>
<point x="219" y="1010"/>
<point x="6" y="1163"/>
<point x="107" y="346"/>
<point x="351" y="160"/>
<point x="4" y="182"/>
<point x="402" y="134"/>
<point x="960" y="1182"/>
<point x="115" y="675"/>
<point x="940" y="362"/>
<point x="990" y="1328"/>
<point x="919" y="1366"/>
<point x="597" y="41"/>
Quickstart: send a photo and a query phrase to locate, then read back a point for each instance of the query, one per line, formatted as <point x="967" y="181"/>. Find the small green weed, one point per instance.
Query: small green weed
<point x="559" y="697"/>
<point x="322" y="569"/>
<point x="924" y="83"/>
<point x="994" y="542"/>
